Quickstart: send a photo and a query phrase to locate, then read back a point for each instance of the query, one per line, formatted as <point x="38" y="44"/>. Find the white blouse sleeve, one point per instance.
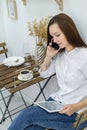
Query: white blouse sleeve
<point x="50" y="71"/>
<point x="84" y="69"/>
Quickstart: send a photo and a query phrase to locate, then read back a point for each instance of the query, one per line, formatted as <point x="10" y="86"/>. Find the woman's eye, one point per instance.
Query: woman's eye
<point x="58" y="35"/>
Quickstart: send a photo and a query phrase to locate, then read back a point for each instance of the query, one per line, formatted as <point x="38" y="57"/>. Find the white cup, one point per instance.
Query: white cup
<point x="25" y="74"/>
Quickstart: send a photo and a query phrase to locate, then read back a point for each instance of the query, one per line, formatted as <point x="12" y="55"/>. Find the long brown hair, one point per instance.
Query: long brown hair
<point x="69" y="29"/>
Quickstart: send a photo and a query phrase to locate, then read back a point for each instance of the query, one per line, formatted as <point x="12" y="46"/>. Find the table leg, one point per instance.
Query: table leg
<point x="41" y="89"/>
<point x="23" y="99"/>
<point x="6" y="109"/>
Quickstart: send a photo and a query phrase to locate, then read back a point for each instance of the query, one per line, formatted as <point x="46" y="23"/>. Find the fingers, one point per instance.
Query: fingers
<point x="64" y="110"/>
<point x="50" y="43"/>
<point x="68" y="110"/>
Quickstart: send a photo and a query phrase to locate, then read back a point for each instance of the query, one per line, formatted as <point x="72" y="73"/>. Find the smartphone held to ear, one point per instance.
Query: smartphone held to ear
<point x="55" y="45"/>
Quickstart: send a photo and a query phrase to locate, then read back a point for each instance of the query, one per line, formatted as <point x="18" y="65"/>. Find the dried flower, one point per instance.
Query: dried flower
<point x="39" y="29"/>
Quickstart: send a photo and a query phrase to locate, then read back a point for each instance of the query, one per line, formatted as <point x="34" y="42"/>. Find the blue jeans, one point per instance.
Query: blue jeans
<point x="35" y="118"/>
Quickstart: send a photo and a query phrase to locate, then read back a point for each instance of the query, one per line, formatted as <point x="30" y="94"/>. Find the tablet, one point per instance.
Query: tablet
<point x="50" y="106"/>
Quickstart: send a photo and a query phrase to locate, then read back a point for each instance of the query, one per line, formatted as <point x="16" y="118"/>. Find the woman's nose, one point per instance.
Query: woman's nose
<point x="55" y="39"/>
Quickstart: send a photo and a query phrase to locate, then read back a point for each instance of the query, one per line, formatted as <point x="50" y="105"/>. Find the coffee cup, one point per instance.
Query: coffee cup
<point x="25" y="74"/>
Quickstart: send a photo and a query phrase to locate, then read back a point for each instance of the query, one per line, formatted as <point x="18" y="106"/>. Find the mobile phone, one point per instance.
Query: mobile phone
<point x="55" y="45"/>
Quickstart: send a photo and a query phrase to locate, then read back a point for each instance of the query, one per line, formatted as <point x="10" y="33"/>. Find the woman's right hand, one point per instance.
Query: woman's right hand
<point x="51" y="52"/>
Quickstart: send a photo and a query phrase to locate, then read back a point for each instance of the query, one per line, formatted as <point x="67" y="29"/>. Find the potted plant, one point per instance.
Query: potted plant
<point x="38" y="29"/>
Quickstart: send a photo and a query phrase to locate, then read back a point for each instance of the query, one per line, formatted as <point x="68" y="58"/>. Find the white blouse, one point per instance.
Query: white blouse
<point x="71" y="71"/>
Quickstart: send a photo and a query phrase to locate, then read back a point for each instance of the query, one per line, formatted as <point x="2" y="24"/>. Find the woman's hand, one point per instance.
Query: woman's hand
<point x="51" y="52"/>
<point x="69" y="109"/>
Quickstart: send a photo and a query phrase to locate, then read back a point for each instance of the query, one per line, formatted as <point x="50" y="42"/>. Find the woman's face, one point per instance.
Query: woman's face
<point x="59" y="37"/>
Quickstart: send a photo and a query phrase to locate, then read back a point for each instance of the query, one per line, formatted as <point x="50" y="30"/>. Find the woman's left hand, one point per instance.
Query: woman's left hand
<point x="69" y="109"/>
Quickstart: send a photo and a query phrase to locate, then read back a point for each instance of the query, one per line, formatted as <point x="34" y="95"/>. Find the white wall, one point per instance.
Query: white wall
<point x="16" y="31"/>
<point x="77" y="10"/>
<point x="2" y="29"/>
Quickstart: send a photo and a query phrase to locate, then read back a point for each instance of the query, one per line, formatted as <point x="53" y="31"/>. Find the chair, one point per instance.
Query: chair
<point x="80" y="120"/>
<point x="3" y="49"/>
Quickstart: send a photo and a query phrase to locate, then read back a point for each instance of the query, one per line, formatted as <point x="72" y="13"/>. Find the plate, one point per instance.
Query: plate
<point x="13" y="61"/>
<point x="22" y="79"/>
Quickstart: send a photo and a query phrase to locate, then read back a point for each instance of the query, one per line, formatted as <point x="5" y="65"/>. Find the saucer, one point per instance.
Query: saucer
<point x="22" y="79"/>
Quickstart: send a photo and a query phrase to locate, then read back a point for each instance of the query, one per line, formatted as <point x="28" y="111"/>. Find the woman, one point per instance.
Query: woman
<point x="69" y="62"/>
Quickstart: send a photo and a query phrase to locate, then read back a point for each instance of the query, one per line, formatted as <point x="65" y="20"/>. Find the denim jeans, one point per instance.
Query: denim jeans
<point x="36" y="118"/>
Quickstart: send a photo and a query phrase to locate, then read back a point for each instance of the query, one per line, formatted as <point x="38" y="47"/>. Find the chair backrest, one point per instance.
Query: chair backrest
<point x="3" y="49"/>
<point x="81" y="118"/>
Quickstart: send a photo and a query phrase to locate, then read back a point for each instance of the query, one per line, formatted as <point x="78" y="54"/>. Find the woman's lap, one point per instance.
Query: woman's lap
<point x="36" y="116"/>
